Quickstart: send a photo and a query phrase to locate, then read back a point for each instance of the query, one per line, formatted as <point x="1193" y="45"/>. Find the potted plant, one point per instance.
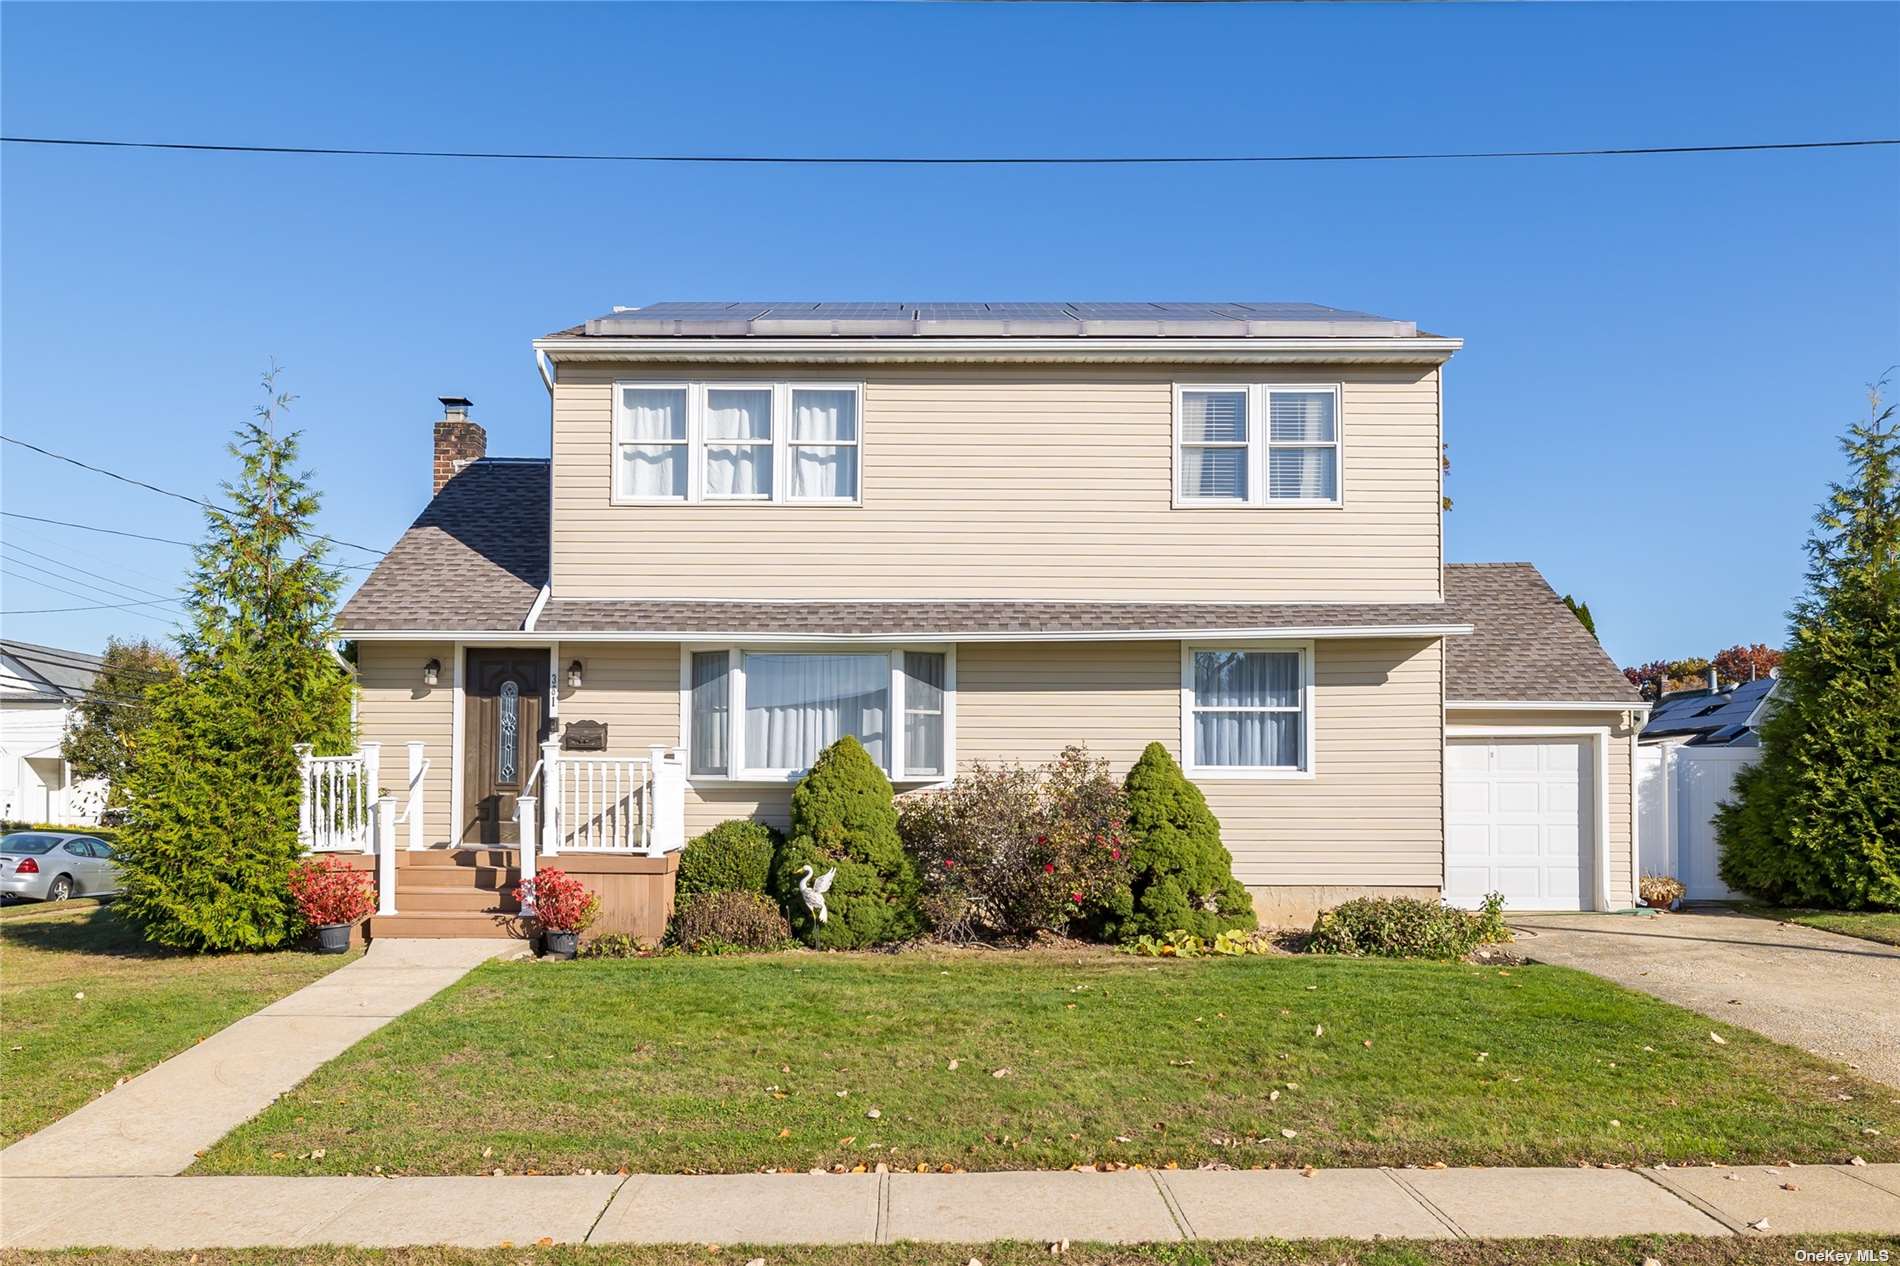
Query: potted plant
<point x="332" y="896"/>
<point x="1662" y="892"/>
<point x="561" y="906"/>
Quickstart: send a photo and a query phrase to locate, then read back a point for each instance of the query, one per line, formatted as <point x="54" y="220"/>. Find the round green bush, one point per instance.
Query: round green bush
<point x="843" y="816"/>
<point x="735" y="856"/>
<point x="1180" y="875"/>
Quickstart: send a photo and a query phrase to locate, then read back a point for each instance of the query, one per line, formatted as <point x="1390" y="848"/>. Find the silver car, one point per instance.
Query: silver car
<point x="55" y="865"/>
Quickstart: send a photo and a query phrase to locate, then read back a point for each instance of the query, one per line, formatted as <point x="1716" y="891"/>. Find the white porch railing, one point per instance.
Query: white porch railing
<point x="612" y="804"/>
<point x="338" y="802"/>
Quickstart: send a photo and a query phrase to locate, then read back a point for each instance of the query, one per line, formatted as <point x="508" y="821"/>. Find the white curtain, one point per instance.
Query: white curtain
<point x="738" y="469"/>
<point x="1232" y="692"/>
<point x="712" y="691"/>
<point x="824" y="444"/>
<point x="798" y="705"/>
<point x="652" y="426"/>
<point x="923" y="712"/>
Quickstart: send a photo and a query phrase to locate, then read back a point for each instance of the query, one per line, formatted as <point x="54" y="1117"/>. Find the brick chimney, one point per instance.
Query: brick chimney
<point x="459" y="440"/>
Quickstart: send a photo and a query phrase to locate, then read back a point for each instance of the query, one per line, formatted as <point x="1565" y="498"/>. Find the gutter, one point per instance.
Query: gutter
<point x="925" y="635"/>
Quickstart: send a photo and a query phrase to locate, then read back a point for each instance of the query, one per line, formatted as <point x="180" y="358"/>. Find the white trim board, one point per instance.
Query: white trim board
<point x="1321" y="633"/>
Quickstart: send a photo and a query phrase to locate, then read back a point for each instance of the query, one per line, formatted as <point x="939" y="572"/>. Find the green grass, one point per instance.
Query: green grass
<point x="1868" y="925"/>
<point x="699" y="1065"/>
<point x="1675" y="1250"/>
<point x="140" y="1006"/>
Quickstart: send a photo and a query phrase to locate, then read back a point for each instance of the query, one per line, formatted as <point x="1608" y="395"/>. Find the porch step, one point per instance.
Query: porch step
<point x="461" y="897"/>
<point x="440" y="923"/>
<point x="459" y="858"/>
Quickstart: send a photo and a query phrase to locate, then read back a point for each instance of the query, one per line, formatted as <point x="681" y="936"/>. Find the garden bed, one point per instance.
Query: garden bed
<point x="809" y="1060"/>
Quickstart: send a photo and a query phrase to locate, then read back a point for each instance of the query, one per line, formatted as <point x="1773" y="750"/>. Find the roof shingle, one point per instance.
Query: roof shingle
<point x="1526" y="646"/>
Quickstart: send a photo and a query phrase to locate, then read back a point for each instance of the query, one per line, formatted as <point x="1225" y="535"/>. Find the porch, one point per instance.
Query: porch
<point x="615" y="822"/>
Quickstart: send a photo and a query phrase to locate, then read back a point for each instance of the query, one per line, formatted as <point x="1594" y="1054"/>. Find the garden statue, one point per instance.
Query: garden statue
<point x="813" y="894"/>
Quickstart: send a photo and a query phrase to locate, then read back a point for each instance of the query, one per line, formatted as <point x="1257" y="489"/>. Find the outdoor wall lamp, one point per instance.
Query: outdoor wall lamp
<point x="574" y="674"/>
<point x="432" y="672"/>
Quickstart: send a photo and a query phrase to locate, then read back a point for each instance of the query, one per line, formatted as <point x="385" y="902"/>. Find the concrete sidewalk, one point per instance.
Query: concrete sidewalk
<point x="1124" y="1207"/>
<point x="159" y="1121"/>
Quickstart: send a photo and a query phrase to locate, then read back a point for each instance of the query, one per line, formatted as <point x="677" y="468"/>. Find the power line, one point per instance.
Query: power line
<point x="110" y="606"/>
<point x="893" y="160"/>
<point x="86" y="588"/>
<point x="119" y="584"/>
<point x="141" y="536"/>
<point x="140" y="483"/>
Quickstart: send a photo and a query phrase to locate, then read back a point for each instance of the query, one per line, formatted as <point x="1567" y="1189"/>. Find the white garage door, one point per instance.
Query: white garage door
<point x="1519" y="820"/>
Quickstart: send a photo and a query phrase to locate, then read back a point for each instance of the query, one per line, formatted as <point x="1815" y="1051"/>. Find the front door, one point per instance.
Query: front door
<point x="505" y="696"/>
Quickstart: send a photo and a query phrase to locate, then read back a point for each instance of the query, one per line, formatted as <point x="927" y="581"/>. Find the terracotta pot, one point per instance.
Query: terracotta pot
<point x="333" y="938"/>
<point x="559" y="944"/>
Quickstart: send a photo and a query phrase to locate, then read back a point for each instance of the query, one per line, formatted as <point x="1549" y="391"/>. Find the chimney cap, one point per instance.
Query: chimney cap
<point x="456" y="404"/>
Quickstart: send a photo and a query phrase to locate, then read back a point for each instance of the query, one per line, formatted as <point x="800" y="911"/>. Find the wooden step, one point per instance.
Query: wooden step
<point x="463" y="858"/>
<point x="455" y="897"/>
<point x="442" y="923"/>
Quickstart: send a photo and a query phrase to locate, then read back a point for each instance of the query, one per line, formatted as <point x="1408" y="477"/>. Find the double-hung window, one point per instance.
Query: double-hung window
<point x="765" y="713"/>
<point x="1247" y="710"/>
<point x="729" y="441"/>
<point x="1256" y="445"/>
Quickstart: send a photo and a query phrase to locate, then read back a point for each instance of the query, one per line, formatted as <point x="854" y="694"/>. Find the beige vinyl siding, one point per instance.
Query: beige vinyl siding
<point x="394" y="708"/>
<point x="1014" y="481"/>
<point x="1620" y="830"/>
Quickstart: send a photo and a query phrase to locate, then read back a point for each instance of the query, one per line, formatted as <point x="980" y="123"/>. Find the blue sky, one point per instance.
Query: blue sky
<point x="1660" y="351"/>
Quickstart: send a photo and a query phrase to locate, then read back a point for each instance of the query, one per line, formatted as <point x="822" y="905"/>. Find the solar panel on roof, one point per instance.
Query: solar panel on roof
<point x="855" y="318"/>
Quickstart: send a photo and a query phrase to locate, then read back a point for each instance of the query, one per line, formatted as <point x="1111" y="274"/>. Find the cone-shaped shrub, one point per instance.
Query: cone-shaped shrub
<point x="1180" y="875"/>
<point x="843" y="816"/>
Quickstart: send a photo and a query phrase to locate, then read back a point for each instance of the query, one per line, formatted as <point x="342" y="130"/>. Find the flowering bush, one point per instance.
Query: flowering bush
<point x="561" y="903"/>
<point x="329" y="891"/>
<point x="1017" y="851"/>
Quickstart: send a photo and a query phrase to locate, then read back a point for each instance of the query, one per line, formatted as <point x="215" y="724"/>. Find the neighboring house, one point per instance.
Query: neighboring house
<point x="983" y="532"/>
<point x="1694" y="744"/>
<point x="39" y="686"/>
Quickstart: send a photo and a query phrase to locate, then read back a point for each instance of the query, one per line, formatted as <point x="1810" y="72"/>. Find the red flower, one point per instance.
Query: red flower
<point x="1076" y="897"/>
<point x="948" y="863"/>
<point x="1115" y="853"/>
<point x="1048" y="868"/>
<point x="1042" y="839"/>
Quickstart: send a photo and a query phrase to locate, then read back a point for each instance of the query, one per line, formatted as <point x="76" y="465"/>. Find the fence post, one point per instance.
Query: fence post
<point x="306" y="818"/>
<point x="669" y="801"/>
<point x="417" y="764"/>
<point x="372" y="787"/>
<point x="551" y="795"/>
<point x="386" y="855"/>
<point x="524" y="814"/>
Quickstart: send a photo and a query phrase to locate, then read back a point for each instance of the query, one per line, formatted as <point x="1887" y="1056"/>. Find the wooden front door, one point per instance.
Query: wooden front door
<point x="505" y="708"/>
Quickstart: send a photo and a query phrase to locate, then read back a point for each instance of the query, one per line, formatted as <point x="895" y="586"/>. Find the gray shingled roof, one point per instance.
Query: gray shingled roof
<point x="61" y="674"/>
<point x="1526" y="646"/>
<point x="474" y="560"/>
<point x="1064" y="319"/>
<point x="974" y="618"/>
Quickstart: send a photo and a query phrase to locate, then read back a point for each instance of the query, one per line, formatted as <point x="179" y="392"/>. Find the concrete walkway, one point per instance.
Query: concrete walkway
<point x="1828" y="994"/>
<point x="159" y="1121"/>
<point x="1123" y="1207"/>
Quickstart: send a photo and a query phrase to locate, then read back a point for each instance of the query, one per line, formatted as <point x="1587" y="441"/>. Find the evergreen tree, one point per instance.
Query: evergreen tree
<point x="213" y="786"/>
<point x="105" y="724"/>
<point x="843" y="816"/>
<point x="1817" y="820"/>
<point x="1582" y="611"/>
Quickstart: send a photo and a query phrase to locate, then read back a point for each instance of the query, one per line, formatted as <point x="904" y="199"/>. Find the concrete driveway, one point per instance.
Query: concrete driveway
<point x="1833" y="995"/>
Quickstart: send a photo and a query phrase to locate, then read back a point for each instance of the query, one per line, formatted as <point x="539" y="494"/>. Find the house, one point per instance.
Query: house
<point x="980" y="532"/>
<point x="1695" y="743"/>
<point x="1719" y="716"/>
<point x="39" y="686"/>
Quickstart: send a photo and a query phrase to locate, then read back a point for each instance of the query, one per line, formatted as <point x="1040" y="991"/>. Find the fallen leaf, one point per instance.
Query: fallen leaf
<point x="1788" y="1186"/>
<point x="1759" y="1224"/>
<point x="755" y="1261"/>
<point x="545" y="1241"/>
<point x="785" y="1133"/>
<point x="81" y="997"/>
<point x="1857" y="1160"/>
<point x="1717" y="1038"/>
<point x="1289" y="1134"/>
<point x="1319" y="1030"/>
<point x="1273" y="1096"/>
<point x="1001" y="1072"/>
<point x="874" y="1114"/>
<point x="1367" y="1043"/>
<point x="953" y="1065"/>
<point x="843" y="1093"/>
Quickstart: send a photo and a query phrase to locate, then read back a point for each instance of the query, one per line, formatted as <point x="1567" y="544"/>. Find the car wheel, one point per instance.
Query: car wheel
<point x="60" y="889"/>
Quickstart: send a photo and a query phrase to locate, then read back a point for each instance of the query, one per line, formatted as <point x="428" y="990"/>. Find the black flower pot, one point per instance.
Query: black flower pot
<point x="333" y="938"/>
<point x="559" y="944"/>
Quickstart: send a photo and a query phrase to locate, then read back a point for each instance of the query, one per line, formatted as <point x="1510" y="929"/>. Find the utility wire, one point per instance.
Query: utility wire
<point x="895" y="160"/>
<point x="140" y="483"/>
<point x="141" y="536"/>
<point x="119" y="584"/>
<point x="110" y="606"/>
<point x="85" y="589"/>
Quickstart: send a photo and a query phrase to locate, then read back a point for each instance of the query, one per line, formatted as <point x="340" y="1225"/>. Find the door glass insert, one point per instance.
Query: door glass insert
<point x="505" y="763"/>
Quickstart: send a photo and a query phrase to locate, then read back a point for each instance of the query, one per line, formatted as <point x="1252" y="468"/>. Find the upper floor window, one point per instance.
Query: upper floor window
<point x="723" y="441"/>
<point x="1256" y="445"/>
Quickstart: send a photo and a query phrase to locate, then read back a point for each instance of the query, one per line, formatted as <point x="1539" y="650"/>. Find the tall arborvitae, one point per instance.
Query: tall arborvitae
<point x="1817" y="820"/>
<point x="213" y="786"/>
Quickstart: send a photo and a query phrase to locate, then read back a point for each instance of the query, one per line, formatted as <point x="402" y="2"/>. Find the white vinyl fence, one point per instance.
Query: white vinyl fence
<point x="1678" y="789"/>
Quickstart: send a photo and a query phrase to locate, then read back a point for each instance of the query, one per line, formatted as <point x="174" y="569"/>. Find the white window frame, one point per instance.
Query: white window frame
<point x="737" y="772"/>
<point x="1260" y="447"/>
<point x="697" y="441"/>
<point x="1190" y="763"/>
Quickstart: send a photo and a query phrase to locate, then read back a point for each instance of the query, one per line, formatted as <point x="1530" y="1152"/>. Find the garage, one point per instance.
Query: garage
<point x="1520" y="820"/>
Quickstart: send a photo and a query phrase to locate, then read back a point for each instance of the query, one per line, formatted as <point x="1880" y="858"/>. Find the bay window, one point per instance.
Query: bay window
<point x="1246" y="710"/>
<point x="1256" y="445"/>
<point x="731" y="441"/>
<point x="765" y="713"/>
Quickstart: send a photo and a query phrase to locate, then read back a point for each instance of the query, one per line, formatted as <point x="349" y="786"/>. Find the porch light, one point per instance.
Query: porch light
<point x="574" y="674"/>
<point x="432" y="672"/>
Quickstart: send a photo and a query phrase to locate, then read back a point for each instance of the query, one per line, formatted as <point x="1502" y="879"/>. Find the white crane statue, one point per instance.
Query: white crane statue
<point x="813" y="894"/>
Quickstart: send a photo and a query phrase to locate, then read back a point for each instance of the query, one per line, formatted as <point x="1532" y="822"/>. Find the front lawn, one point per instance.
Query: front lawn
<point x="1868" y="925"/>
<point x="83" y="1002"/>
<point x="986" y="1060"/>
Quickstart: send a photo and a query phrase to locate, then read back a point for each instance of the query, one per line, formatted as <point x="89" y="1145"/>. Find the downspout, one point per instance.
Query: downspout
<point x="534" y="612"/>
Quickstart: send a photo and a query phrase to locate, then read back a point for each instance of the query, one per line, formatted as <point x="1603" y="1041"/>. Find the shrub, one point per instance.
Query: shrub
<point x="1017" y="851"/>
<point x="1660" y="891"/>
<point x="726" y="922"/>
<point x="1408" y="927"/>
<point x="329" y="891"/>
<point x="1180" y="878"/>
<point x="561" y="903"/>
<point x="843" y="816"/>
<point x="735" y="856"/>
<point x="1180" y="944"/>
<point x="615" y="945"/>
